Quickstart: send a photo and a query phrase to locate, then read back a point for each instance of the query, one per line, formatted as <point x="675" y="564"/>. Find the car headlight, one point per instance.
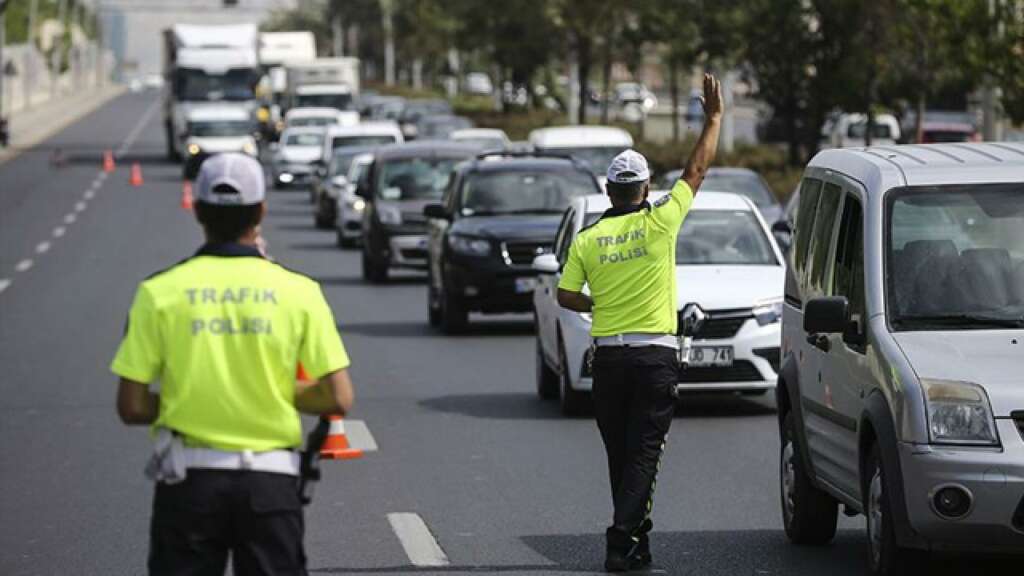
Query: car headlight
<point x="768" y="311"/>
<point x="249" y="148"/>
<point x="470" y="245"/>
<point x="958" y="413"/>
<point x="358" y="204"/>
<point x="194" y="149"/>
<point x="389" y="215"/>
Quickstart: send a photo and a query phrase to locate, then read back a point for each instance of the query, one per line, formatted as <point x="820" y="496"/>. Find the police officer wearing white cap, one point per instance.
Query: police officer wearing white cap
<point x="627" y="259"/>
<point x="224" y="333"/>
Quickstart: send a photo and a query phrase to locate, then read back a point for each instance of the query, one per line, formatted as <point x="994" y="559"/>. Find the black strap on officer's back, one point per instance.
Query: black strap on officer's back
<point x="309" y="462"/>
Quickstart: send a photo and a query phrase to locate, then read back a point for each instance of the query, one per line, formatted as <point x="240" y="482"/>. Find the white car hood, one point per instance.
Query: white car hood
<point x="988" y="358"/>
<point x="228" y="144"/>
<point x="728" y="287"/>
<point x="301" y="154"/>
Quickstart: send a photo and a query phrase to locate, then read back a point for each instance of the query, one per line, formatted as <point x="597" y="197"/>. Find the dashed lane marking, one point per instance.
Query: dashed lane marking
<point x="420" y="545"/>
<point x="4" y="283"/>
<point x="89" y="194"/>
<point x="359" y="436"/>
<point x="81" y="206"/>
<point x="70" y="219"/>
<point x="134" y="134"/>
<point x="59" y="231"/>
<point x="24" y="265"/>
<point x="42" y="248"/>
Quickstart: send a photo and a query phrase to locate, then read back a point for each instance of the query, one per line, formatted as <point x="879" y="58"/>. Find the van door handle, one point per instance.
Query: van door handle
<point x="820" y="341"/>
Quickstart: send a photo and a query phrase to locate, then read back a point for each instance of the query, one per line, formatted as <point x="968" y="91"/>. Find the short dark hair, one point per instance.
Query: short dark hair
<point x="622" y="193"/>
<point x="227" y="223"/>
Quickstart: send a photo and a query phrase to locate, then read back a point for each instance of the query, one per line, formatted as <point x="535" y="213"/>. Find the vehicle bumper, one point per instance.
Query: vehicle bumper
<point x="995" y="479"/>
<point x="488" y="287"/>
<point x="408" y="251"/>
<point x="756" y="351"/>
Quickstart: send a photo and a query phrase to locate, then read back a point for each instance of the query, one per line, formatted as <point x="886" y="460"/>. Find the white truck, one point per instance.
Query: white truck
<point x="323" y="83"/>
<point x="278" y="50"/>
<point x="204" y="66"/>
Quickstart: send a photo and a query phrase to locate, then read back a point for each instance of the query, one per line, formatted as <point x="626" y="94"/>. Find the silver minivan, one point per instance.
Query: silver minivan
<point x="901" y="392"/>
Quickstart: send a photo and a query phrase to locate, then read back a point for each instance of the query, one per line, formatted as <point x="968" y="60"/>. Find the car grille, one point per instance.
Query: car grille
<point x="772" y="355"/>
<point x="740" y="371"/>
<point x="721" y="324"/>
<point x="523" y="253"/>
<point x="414" y="254"/>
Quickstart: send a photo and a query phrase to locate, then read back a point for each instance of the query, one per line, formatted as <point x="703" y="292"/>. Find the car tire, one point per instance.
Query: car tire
<point x="454" y="316"/>
<point x="547" y="379"/>
<point x="808" y="513"/>
<point x="573" y="402"/>
<point x="885" y="556"/>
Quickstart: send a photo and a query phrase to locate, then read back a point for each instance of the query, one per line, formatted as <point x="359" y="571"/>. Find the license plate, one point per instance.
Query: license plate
<point x="711" y="356"/>
<point x="524" y="285"/>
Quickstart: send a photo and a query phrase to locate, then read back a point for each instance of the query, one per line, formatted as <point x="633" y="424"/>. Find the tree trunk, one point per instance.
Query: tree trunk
<point x="673" y="87"/>
<point x="583" y="62"/>
<point x="607" y="73"/>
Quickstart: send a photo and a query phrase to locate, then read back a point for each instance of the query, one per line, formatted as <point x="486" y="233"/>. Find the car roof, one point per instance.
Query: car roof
<point x="365" y="129"/>
<point x="426" y="148"/>
<point x="311" y="111"/>
<point x="706" y="200"/>
<point x="580" y="137"/>
<point x="880" y="168"/>
<point x="218" y="112"/>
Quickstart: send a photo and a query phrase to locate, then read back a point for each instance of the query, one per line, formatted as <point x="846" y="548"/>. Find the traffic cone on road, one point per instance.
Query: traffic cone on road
<point x="136" y="177"/>
<point x="186" y="195"/>
<point x="336" y="446"/>
<point x="108" y="161"/>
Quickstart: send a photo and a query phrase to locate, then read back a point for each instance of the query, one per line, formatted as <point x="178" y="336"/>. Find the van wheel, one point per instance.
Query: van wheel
<point x="885" y="557"/>
<point x="454" y="316"/>
<point x="809" y="514"/>
<point x="547" y="379"/>
<point x="573" y="402"/>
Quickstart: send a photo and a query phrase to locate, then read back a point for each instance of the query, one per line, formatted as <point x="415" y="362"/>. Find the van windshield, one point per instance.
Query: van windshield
<point x="226" y="129"/>
<point x="956" y="257"/>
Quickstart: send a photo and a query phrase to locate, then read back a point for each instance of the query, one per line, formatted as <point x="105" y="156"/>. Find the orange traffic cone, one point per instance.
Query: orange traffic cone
<point x="186" y="195"/>
<point x="136" y="177"/>
<point x="336" y="446"/>
<point x="108" y="161"/>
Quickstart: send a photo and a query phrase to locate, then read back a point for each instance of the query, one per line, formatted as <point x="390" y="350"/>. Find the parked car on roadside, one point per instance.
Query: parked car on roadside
<point x="596" y="146"/>
<point x="741" y="181"/>
<point x="348" y="223"/>
<point x="485" y="138"/>
<point x="498" y="214"/>
<point x="401" y="181"/>
<point x="900" y="394"/>
<point x="294" y="155"/>
<point x="217" y="129"/>
<point x="726" y="263"/>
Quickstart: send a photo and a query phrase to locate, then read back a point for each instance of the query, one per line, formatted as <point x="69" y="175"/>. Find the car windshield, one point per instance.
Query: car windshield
<point x="349" y="141"/>
<point x="338" y="101"/>
<point x="414" y="178"/>
<point x="196" y="85"/>
<point x="524" y="192"/>
<point x="304" y="140"/>
<point x="598" y="158"/>
<point x="315" y="121"/>
<point x="956" y="257"/>
<point x="341" y="162"/>
<point x="749" y="185"/>
<point x="723" y="238"/>
<point x="220" y="129"/>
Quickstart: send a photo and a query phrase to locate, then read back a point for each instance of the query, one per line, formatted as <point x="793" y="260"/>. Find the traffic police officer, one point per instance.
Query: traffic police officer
<point x="627" y="259"/>
<point x="223" y="332"/>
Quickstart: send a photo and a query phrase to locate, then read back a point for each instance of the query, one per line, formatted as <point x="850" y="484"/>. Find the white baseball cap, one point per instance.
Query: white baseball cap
<point x="242" y="174"/>
<point x="629" y="167"/>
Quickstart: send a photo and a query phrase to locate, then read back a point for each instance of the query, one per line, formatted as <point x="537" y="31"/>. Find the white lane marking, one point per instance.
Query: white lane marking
<point x="59" y="231"/>
<point x="81" y="206"/>
<point x="134" y="134"/>
<point x="359" y="436"/>
<point x="419" y="544"/>
<point x="89" y="194"/>
<point x="70" y="219"/>
<point x="24" y="265"/>
<point x="100" y="178"/>
<point x="42" y="248"/>
<point x="4" y="283"/>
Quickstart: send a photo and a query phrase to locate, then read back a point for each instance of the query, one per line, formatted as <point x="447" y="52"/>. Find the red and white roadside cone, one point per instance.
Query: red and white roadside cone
<point x="336" y="446"/>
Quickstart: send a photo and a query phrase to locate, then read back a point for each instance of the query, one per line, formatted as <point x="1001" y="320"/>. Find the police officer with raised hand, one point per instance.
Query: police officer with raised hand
<point x="223" y="333"/>
<point x="627" y="259"/>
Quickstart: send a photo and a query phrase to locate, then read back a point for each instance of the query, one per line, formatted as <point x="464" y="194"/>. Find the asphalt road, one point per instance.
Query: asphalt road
<point x="501" y="481"/>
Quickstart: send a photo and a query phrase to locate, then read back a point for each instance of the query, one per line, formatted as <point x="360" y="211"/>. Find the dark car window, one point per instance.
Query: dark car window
<point x="723" y="237"/>
<point x="314" y="121"/>
<point x="810" y="192"/>
<point x="848" y="269"/>
<point x="342" y="162"/>
<point x="414" y="178"/>
<point x="304" y="140"/>
<point x="522" y="191"/>
<point x="821" y="239"/>
<point x="347" y="141"/>
<point x="749" y="185"/>
<point x="220" y="129"/>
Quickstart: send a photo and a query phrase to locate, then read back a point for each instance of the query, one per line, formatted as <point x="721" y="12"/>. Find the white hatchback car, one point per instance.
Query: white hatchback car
<point x="726" y="262"/>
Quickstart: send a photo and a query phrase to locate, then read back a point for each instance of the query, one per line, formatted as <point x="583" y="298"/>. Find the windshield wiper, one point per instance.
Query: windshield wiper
<point x="963" y="320"/>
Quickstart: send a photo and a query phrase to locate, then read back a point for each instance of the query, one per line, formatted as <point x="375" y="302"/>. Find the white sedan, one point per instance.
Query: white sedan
<point x="726" y="262"/>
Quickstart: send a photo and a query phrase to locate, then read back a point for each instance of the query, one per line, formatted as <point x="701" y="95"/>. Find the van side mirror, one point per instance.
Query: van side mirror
<point x="830" y="315"/>
<point x="436" y="211"/>
<point x="546" y="264"/>
<point x="783" y="234"/>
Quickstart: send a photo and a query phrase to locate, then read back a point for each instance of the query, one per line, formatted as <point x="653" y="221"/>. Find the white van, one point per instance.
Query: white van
<point x="595" y="146"/>
<point x="850" y="130"/>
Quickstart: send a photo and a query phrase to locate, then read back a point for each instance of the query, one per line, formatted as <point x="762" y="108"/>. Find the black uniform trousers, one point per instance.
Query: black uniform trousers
<point x="254" y="516"/>
<point x="634" y="405"/>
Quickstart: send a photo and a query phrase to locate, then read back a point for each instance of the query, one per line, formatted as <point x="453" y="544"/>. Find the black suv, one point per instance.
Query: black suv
<point x="402" y="179"/>
<point x="499" y="213"/>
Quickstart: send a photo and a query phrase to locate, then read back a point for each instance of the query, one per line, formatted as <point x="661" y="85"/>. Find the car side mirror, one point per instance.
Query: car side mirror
<point x="783" y="234"/>
<point x="546" y="264"/>
<point x="829" y="315"/>
<point x="436" y="211"/>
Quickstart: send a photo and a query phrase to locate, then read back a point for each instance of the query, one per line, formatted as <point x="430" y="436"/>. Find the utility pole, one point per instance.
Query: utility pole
<point x="387" y="8"/>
